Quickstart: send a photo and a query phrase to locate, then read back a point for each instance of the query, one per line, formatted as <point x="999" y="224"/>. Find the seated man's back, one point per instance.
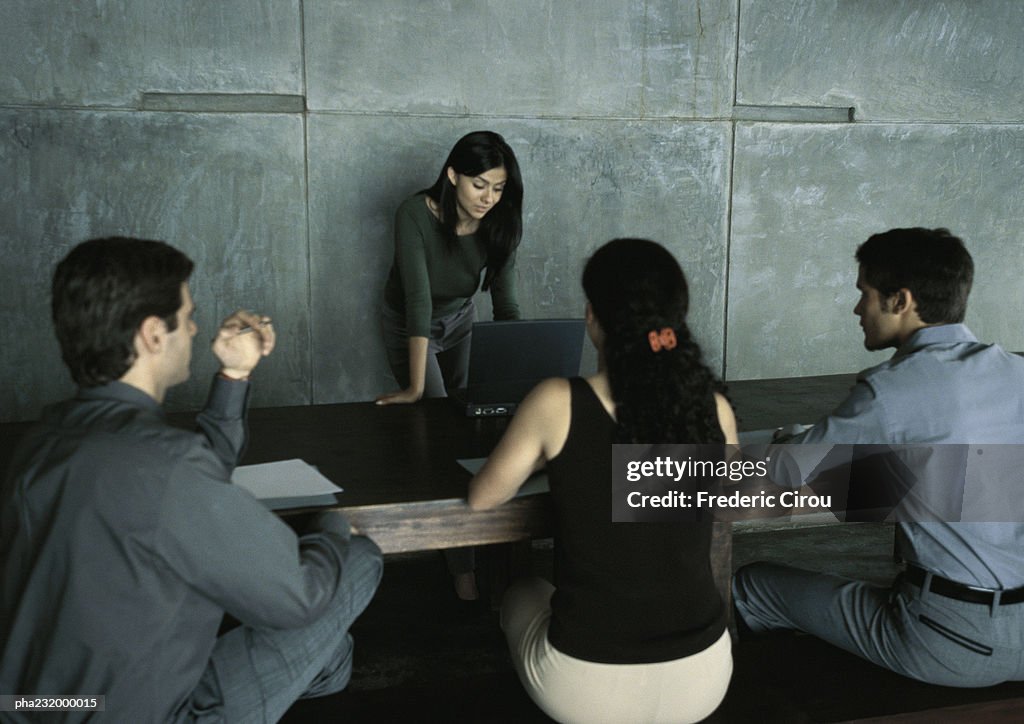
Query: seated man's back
<point x="123" y="543"/>
<point x="950" y="412"/>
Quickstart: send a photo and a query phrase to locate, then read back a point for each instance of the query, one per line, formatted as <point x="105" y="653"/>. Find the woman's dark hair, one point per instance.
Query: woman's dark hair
<point x="501" y="229"/>
<point x="634" y="287"/>
<point x="102" y="291"/>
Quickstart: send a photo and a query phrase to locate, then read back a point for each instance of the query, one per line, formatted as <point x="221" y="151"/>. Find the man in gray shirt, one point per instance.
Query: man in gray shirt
<point x="123" y="543"/>
<point x="956" y="615"/>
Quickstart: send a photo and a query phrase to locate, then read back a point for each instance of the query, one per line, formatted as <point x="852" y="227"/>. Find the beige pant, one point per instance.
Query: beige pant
<point x="573" y="690"/>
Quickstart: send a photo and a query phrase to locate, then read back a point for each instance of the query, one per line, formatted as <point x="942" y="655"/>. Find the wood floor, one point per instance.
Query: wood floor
<point x="423" y="657"/>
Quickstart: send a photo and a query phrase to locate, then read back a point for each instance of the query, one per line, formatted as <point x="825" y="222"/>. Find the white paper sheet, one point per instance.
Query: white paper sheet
<point x="286" y="484"/>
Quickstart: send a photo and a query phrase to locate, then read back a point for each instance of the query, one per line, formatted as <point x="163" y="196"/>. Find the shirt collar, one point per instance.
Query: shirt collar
<point x="939" y="334"/>
<point x="121" y="392"/>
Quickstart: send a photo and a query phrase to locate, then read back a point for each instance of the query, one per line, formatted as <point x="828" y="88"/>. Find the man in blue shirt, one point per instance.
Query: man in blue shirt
<point x="123" y="543"/>
<point x="956" y="615"/>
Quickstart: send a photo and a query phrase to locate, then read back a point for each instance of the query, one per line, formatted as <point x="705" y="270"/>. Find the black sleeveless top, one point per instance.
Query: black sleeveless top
<point x="626" y="593"/>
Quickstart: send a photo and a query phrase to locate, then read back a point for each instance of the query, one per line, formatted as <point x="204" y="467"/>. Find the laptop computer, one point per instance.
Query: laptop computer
<point x="508" y="359"/>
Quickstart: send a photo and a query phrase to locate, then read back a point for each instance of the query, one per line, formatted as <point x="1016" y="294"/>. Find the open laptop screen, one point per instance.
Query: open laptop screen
<point x="508" y="359"/>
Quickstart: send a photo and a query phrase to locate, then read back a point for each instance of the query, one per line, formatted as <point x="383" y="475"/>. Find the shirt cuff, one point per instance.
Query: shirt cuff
<point x="228" y="398"/>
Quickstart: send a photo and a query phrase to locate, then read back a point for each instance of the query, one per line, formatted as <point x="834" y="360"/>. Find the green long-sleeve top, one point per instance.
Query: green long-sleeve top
<point x="427" y="281"/>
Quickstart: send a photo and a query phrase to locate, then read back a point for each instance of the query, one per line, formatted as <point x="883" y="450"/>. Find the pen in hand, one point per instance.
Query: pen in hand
<point x="237" y="356"/>
<point x="249" y="328"/>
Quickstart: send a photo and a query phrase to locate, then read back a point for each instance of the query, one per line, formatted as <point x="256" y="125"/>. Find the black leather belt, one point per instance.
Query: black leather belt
<point x="959" y="591"/>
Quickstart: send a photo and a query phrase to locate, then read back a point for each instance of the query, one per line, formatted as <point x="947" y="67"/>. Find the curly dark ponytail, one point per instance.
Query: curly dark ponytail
<point x="662" y="389"/>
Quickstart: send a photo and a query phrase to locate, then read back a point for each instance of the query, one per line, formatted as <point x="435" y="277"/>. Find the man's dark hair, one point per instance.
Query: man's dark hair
<point x="102" y="291"/>
<point x="932" y="263"/>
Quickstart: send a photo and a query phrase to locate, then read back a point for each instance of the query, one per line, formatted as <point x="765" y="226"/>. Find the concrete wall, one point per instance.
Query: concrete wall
<point x="938" y="140"/>
<point x="272" y="140"/>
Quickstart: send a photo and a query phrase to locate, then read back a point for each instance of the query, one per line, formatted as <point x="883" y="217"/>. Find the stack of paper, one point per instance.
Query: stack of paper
<point x="286" y="484"/>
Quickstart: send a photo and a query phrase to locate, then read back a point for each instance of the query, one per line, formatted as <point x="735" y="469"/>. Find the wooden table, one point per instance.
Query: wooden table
<point x="404" y="488"/>
<point x="761" y="404"/>
<point x="398" y="466"/>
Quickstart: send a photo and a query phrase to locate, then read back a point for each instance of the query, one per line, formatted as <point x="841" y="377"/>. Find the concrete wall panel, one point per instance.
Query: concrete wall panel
<point x="107" y="53"/>
<point x="632" y="59"/>
<point x="912" y="60"/>
<point x="806" y="196"/>
<point x="229" y="191"/>
<point x="623" y="118"/>
<point x="585" y="183"/>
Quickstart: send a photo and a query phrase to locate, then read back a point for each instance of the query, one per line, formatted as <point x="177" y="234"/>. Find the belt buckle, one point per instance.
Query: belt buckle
<point x="978" y="589"/>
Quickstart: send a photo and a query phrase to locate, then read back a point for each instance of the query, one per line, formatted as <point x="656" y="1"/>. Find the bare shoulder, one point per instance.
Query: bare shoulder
<point x="551" y="393"/>
<point x="546" y="413"/>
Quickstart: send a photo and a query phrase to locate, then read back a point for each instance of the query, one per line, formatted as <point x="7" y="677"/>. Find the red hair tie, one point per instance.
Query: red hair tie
<point x="665" y="339"/>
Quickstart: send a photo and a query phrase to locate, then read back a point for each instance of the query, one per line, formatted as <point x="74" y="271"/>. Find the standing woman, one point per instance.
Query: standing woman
<point x="468" y="222"/>
<point x="633" y="628"/>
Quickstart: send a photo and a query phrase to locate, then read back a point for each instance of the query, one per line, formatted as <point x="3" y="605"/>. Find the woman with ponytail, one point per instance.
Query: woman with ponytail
<point x="633" y="628"/>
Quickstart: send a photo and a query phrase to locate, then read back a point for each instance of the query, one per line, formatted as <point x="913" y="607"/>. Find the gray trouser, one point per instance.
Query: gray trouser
<point x="914" y="632"/>
<point x="255" y="674"/>
<point x="447" y="349"/>
<point x="447" y="367"/>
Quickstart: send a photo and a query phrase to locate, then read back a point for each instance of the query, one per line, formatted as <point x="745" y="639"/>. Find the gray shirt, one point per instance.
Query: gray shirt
<point x="941" y="387"/>
<point x="123" y="544"/>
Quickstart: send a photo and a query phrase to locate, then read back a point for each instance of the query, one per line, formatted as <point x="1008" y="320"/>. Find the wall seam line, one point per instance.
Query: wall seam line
<point x="728" y="202"/>
<point x="309" y="234"/>
<point x="536" y="117"/>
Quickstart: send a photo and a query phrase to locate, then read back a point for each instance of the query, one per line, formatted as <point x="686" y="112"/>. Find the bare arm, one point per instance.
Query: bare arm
<point x="535" y="435"/>
<point x="726" y="420"/>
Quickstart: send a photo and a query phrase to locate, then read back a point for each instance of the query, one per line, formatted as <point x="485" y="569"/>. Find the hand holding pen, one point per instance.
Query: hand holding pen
<point x="242" y="340"/>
